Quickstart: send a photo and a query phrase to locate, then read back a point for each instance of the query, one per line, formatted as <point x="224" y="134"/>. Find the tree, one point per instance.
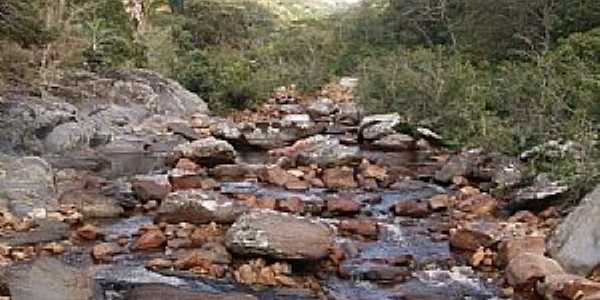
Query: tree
<point x="20" y="22"/>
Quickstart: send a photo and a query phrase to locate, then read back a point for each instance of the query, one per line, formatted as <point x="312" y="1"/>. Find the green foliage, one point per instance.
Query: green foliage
<point x="20" y="22"/>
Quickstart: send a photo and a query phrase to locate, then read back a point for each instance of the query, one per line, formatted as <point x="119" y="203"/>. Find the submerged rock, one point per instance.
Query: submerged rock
<point x="279" y="235"/>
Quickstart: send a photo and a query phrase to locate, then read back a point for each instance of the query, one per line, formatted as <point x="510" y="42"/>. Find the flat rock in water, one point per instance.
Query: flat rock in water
<point x="279" y="235"/>
<point x="50" y="279"/>
<point x="576" y="241"/>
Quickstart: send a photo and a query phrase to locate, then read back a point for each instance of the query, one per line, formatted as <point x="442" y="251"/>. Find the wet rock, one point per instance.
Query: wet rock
<point x="324" y="151"/>
<point x="566" y="286"/>
<point x="274" y="175"/>
<point x="475" y="235"/>
<point x="50" y="279"/>
<point x="88" y="232"/>
<point x="457" y="165"/>
<point x="92" y="204"/>
<point x="279" y="235"/>
<point x="362" y="226"/>
<point x="149" y="188"/>
<point x="321" y="107"/>
<point x="45" y="231"/>
<point x="198" y="207"/>
<point x="26" y="184"/>
<point x="395" y="142"/>
<point x="151" y="239"/>
<point x="575" y="242"/>
<point x="245" y="187"/>
<point x="527" y="268"/>
<point x="161" y="292"/>
<point x="510" y="249"/>
<point x="339" y="178"/>
<point x="439" y="202"/>
<point x="208" y="151"/>
<point x="104" y="252"/>
<point x="343" y="205"/>
<point x="414" y="209"/>
<point x="378" y="126"/>
<point x="478" y="205"/>
<point x="67" y="137"/>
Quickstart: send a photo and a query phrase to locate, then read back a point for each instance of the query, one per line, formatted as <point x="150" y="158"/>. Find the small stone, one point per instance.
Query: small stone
<point x="368" y="170"/>
<point x="159" y="263"/>
<point x="105" y="251"/>
<point x="339" y="178"/>
<point x="439" y="202"/>
<point x="151" y="239"/>
<point x="266" y="203"/>
<point x="88" y="232"/>
<point x="343" y="205"/>
<point x="292" y="205"/>
<point x="477" y="257"/>
<point x="363" y="227"/>
<point x="414" y="209"/>
<point x="478" y="205"/>
<point x="473" y="236"/>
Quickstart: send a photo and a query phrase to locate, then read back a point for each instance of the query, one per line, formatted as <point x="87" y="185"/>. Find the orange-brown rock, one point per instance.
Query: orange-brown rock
<point x="339" y="178"/>
<point x="151" y="239"/>
<point x="510" y="249"/>
<point x="527" y="269"/>
<point x="364" y="227"/>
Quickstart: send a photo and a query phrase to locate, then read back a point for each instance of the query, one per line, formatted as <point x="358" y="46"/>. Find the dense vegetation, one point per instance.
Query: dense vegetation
<point x="505" y="75"/>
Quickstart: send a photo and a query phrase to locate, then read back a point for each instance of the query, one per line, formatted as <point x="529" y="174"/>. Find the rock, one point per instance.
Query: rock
<point x="149" y="188"/>
<point x="527" y="267"/>
<point x="45" y="231"/>
<point x="458" y="165"/>
<point x="429" y="134"/>
<point x="339" y="178"/>
<point x="395" y="142"/>
<point x="361" y="226"/>
<point x="539" y="196"/>
<point x="321" y="107"/>
<point x="377" y="126"/>
<point x="161" y="292"/>
<point x="198" y="207"/>
<point x="292" y="109"/>
<point x="439" y="202"/>
<point x="349" y="82"/>
<point x="368" y="170"/>
<point x="88" y="232"/>
<point x="50" y="279"/>
<point x="478" y="205"/>
<point x="208" y="151"/>
<point x="414" y="209"/>
<point x="26" y="184"/>
<point x="473" y="236"/>
<point x="92" y="204"/>
<point x="510" y="249"/>
<point x="208" y="254"/>
<point x="151" y="239"/>
<point x="157" y="94"/>
<point x="348" y="113"/>
<point x="105" y="251"/>
<point x="575" y="242"/>
<point x="343" y="205"/>
<point x="297" y="121"/>
<point x="291" y="205"/>
<point x="236" y="172"/>
<point x="226" y="130"/>
<point x="324" y="151"/>
<point x="564" y="286"/>
<point x="67" y="137"/>
<point x="280" y="236"/>
<point x="274" y="175"/>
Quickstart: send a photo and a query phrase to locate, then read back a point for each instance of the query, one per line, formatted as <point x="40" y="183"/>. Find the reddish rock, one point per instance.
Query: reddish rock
<point x="439" y="202"/>
<point x="526" y="269"/>
<point x="266" y="203"/>
<point x="151" y="239"/>
<point x="179" y="243"/>
<point x="207" y="255"/>
<point x="479" y="205"/>
<point x="296" y="184"/>
<point x="187" y="165"/>
<point x="292" y="204"/>
<point x="339" y="178"/>
<point x="149" y="188"/>
<point x="414" y="209"/>
<point x="105" y="251"/>
<point x="571" y="287"/>
<point x="474" y="236"/>
<point x="186" y="182"/>
<point x="368" y="170"/>
<point x="362" y="226"/>
<point x="159" y="263"/>
<point x="343" y="205"/>
<point x="208" y="184"/>
<point x="88" y="232"/>
<point x="510" y="249"/>
<point x="274" y="175"/>
<point x="524" y="216"/>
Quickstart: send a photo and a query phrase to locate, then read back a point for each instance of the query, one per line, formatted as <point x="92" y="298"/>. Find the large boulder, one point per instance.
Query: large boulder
<point x="377" y="126"/>
<point x="324" y="151"/>
<point x="50" y="279"/>
<point x="198" y="207"/>
<point x="26" y="184"/>
<point x="208" y="151"/>
<point x="67" y="137"/>
<point x="576" y="241"/>
<point x="280" y="236"/>
<point x="527" y="268"/>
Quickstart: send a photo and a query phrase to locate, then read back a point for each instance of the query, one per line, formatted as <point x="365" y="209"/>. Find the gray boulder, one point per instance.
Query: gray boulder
<point x="280" y="236"/>
<point x="377" y="126"/>
<point x="208" y="151"/>
<point x="576" y="241"/>
<point x="67" y="137"/>
<point x="198" y="207"/>
<point x="325" y="151"/>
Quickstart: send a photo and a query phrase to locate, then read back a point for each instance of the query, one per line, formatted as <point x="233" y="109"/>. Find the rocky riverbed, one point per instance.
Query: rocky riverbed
<point x="123" y="186"/>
